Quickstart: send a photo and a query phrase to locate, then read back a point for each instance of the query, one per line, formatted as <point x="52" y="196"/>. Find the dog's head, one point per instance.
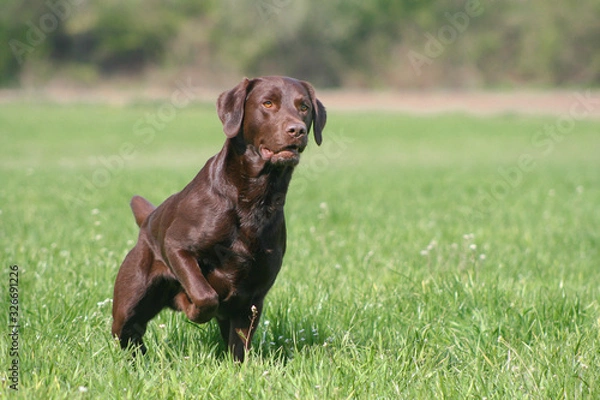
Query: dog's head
<point x="273" y="115"/>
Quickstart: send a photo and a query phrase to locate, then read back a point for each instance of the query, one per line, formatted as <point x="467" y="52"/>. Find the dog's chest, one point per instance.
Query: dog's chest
<point x="246" y="266"/>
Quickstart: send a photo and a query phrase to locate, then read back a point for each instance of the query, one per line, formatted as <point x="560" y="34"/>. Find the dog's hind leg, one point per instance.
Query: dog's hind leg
<point x="138" y="297"/>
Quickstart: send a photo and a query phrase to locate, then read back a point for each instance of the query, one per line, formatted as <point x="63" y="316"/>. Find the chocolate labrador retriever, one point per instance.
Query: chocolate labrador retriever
<point x="215" y="248"/>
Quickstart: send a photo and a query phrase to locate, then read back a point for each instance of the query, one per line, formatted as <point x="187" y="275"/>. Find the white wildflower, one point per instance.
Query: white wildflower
<point x="104" y="302"/>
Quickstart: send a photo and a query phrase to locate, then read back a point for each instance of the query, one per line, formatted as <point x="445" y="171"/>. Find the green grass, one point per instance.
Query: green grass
<point x="415" y="269"/>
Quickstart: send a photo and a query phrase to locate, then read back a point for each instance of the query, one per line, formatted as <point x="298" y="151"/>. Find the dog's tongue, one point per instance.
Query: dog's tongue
<point x="266" y="153"/>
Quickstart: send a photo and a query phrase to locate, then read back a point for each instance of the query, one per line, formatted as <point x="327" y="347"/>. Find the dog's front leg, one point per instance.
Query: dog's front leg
<point x="200" y="302"/>
<point x="238" y="330"/>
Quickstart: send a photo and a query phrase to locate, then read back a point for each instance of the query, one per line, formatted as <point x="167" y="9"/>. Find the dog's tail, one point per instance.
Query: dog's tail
<point x="141" y="209"/>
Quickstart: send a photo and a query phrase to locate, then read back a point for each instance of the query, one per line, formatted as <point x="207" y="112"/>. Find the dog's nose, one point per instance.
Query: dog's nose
<point x="296" y="130"/>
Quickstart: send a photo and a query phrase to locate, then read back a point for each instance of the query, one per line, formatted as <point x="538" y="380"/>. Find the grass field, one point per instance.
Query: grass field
<point x="428" y="257"/>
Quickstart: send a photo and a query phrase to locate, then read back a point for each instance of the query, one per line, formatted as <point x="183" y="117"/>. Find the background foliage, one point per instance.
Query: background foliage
<point x="337" y="43"/>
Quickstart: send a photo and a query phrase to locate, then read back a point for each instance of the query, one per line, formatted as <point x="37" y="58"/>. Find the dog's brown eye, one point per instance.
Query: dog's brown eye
<point x="268" y="104"/>
<point x="303" y="107"/>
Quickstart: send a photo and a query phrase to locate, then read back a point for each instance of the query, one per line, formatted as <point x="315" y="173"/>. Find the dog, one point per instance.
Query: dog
<point x="214" y="249"/>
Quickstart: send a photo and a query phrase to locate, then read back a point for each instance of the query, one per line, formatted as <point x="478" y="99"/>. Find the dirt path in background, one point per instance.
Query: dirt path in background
<point x="579" y="104"/>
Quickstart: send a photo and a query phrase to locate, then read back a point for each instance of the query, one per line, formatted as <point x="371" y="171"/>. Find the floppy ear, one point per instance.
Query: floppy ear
<point x="230" y="108"/>
<point x="319" y="115"/>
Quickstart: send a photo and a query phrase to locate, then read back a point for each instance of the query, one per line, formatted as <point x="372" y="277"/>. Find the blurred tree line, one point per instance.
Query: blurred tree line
<point x="358" y="43"/>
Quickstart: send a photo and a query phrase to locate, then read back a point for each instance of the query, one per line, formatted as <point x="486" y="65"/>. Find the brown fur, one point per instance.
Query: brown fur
<point x="214" y="249"/>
